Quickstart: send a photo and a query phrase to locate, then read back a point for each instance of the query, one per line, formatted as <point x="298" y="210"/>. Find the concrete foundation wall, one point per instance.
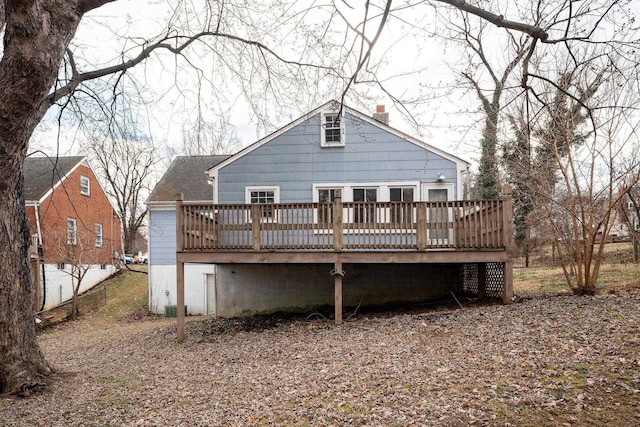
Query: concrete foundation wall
<point x="244" y="289"/>
<point x="59" y="283"/>
<point x="249" y="289"/>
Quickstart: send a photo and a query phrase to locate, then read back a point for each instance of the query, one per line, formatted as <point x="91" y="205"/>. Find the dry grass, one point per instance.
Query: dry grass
<point x="545" y="277"/>
<point x="127" y="295"/>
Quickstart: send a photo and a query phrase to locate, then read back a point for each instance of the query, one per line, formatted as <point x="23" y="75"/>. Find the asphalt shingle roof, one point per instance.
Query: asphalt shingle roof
<point x="42" y="173"/>
<point x="186" y="175"/>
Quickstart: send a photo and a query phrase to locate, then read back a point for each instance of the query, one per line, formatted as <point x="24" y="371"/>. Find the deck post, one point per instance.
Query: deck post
<point x="179" y="270"/>
<point x="255" y="226"/>
<point x="421" y="226"/>
<point x="179" y="223"/>
<point x="338" y="274"/>
<point x="180" y="301"/>
<point x="337" y="221"/>
<point x="508" y="243"/>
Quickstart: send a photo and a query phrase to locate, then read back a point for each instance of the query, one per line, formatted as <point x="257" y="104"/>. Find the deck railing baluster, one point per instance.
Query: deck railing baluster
<point x="396" y="226"/>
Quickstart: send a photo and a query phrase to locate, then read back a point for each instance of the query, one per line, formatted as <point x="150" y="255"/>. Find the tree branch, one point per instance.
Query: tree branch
<point x="88" y="5"/>
<point x="78" y="78"/>
<point x="498" y="20"/>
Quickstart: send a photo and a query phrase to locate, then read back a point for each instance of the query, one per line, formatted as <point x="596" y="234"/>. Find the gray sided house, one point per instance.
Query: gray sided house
<point x="336" y="208"/>
<point x="185" y="175"/>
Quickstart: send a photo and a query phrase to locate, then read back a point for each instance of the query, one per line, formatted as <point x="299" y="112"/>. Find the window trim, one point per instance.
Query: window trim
<point x="404" y="214"/>
<point x="323" y="128"/>
<point x="383" y="194"/>
<point x="276" y="200"/>
<point x="316" y="199"/>
<point x="86" y="179"/>
<point x="98" y="240"/>
<point x="362" y="216"/>
<point x="72" y="233"/>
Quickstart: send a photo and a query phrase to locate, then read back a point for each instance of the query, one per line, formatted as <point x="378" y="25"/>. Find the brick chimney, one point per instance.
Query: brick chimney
<point x="380" y="115"/>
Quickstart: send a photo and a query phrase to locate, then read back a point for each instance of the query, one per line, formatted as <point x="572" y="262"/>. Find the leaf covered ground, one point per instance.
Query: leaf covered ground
<point x="560" y="360"/>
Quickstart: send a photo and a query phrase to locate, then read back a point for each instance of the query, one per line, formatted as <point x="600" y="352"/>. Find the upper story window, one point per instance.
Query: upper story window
<point x="71" y="231"/>
<point x="85" y="186"/>
<point x="266" y="197"/>
<point x="332" y="129"/>
<point x="98" y="234"/>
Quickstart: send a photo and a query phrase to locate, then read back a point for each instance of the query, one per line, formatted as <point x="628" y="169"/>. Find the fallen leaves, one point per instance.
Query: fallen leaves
<point x="544" y="361"/>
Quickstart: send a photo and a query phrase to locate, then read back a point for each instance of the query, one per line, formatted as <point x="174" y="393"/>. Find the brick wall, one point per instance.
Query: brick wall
<point x="67" y="202"/>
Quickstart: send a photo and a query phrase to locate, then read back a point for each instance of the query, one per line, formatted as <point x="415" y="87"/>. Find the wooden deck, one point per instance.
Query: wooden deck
<point x="464" y="231"/>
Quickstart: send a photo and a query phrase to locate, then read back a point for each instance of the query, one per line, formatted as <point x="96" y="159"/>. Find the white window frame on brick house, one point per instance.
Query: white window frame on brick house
<point x="98" y="234"/>
<point x="85" y="185"/>
<point x="72" y="231"/>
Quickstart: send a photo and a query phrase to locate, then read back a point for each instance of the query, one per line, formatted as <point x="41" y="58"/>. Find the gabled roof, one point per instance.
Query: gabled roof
<point x="186" y="175"/>
<point x="333" y="105"/>
<point x="42" y="174"/>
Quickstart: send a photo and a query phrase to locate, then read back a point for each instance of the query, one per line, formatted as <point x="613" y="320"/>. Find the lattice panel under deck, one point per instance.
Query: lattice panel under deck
<point x="494" y="279"/>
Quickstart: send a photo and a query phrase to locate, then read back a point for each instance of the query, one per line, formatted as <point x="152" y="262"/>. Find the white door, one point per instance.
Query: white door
<point x="210" y="294"/>
<point x="438" y="217"/>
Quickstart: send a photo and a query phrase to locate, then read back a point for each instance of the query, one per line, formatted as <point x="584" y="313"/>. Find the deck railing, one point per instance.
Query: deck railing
<point x="344" y="226"/>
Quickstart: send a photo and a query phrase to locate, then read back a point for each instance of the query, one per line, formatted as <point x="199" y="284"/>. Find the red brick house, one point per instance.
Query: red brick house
<point x="76" y="233"/>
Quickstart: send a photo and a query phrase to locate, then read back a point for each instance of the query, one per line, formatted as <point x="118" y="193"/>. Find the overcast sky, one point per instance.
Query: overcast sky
<point x="403" y="48"/>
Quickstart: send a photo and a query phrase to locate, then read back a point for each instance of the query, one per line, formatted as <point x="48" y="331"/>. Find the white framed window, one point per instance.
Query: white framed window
<point x="266" y="197"/>
<point x="326" y="196"/>
<point x="401" y="213"/>
<point x="98" y="234"/>
<point x="71" y="231"/>
<point x="365" y="214"/>
<point x="332" y="129"/>
<point x="85" y="186"/>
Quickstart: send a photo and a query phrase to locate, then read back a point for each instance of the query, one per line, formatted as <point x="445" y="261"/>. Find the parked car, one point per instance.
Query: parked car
<point x="141" y="258"/>
<point x="128" y="259"/>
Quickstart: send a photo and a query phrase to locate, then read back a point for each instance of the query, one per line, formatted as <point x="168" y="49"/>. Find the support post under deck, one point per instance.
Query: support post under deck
<point x="179" y="269"/>
<point x="180" y="301"/>
<point x="338" y="274"/>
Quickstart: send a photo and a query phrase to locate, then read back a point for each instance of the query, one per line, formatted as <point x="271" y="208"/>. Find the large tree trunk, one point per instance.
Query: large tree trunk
<point x="36" y="35"/>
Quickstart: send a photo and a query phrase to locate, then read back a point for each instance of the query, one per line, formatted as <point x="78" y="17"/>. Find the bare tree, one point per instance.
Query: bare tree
<point x="584" y="136"/>
<point x="629" y="213"/>
<point x="485" y="69"/>
<point x="209" y="136"/>
<point x="40" y="68"/>
<point x="125" y="166"/>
